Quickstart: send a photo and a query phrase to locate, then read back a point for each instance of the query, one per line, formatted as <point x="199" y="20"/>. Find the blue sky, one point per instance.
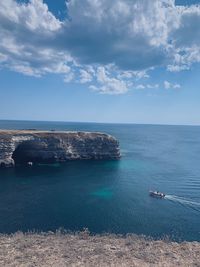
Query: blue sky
<point x="101" y="61"/>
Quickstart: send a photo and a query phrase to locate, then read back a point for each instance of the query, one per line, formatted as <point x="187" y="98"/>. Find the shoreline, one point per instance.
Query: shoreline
<point x="64" y="248"/>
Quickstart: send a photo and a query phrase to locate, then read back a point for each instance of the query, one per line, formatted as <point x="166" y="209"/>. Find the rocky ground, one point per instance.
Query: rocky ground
<point x="81" y="249"/>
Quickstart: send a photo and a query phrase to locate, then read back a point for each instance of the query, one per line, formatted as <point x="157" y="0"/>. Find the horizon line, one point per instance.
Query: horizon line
<point x="125" y="123"/>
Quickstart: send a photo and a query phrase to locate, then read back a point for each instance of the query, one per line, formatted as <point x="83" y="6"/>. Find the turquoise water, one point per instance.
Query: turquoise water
<point x="110" y="196"/>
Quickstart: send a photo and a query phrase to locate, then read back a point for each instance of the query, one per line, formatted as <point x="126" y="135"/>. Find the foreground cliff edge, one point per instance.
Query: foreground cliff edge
<point x="32" y="146"/>
<point x="82" y="249"/>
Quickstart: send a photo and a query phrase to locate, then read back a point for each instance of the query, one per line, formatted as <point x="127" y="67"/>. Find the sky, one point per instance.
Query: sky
<point x="118" y="61"/>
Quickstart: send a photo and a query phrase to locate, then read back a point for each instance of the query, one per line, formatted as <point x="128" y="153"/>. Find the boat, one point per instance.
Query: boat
<point x="156" y="194"/>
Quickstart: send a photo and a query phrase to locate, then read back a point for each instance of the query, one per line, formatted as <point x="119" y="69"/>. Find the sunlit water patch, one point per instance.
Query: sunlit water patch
<point x="104" y="193"/>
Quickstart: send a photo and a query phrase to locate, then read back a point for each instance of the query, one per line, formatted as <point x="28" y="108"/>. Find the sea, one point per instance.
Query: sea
<point x="110" y="196"/>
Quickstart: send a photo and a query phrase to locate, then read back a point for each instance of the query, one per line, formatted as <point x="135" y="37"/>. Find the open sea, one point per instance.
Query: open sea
<point x="110" y="196"/>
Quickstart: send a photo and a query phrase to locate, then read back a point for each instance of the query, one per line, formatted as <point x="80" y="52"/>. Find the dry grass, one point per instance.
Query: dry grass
<point x="81" y="249"/>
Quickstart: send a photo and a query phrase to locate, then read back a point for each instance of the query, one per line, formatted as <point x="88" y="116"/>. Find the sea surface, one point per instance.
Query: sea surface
<point x="110" y="196"/>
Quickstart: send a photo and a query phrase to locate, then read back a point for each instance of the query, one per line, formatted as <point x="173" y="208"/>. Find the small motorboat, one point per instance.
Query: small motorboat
<point x="156" y="194"/>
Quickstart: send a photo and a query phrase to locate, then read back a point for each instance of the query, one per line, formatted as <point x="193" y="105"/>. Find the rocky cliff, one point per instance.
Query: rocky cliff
<point x="21" y="147"/>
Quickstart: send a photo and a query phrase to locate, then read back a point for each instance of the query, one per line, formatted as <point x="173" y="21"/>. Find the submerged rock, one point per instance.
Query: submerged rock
<point x="28" y="146"/>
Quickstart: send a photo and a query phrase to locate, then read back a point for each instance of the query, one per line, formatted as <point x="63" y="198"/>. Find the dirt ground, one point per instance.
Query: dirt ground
<point x="82" y="249"/>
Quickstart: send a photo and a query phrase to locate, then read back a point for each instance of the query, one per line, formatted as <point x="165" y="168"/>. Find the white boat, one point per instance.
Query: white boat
<point x="156" y="194"/>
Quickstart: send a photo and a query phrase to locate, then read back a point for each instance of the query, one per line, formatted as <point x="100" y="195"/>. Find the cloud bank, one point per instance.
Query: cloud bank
<point x="105" y="44"/>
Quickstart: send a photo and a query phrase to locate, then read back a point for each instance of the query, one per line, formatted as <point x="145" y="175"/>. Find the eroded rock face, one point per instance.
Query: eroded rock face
<point x="21" y="147"/>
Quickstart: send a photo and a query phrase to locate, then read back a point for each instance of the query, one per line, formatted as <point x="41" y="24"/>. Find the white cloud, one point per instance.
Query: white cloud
<point x="3" y="58"/>
<point x="112" y="43"/>
<point x="147" y="86"/>
<point x="33" y="16"/>
<point x="107" y="84"/>
<point x="186" y="39"/>
<point x="132" y="35"/>
<point x="133" y="75"/>
<point x="152" y="86"/>
<point x="69" y="77"/>
<point x="168" y="85"/>
<point x="26" y="33"/>
<point x="85" y="76"/>
<point x="140" y="87"/>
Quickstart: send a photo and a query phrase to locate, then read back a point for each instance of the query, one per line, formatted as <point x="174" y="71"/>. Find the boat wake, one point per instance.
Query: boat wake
<point x="184" y="201"/>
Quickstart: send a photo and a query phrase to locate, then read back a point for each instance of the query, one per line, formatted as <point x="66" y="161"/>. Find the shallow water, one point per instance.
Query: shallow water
<point x="110" y="196"/>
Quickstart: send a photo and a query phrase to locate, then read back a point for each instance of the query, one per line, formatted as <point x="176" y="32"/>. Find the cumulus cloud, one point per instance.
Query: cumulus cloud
<point x="26" y="33"/>
<point x="107" y="84"/>
<point x="132" y="35"/>
<point x="186" y="39"/>
<point x="147" y="86"/>
<point x="85" y="76"/>
<point x="168" y="85"/>
<point x="69" y="77"/>
<point x="140" y="87"/>
<point x="106" y="44"/>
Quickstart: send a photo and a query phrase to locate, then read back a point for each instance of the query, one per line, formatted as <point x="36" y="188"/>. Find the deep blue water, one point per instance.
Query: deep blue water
<point x="110" y="196"/>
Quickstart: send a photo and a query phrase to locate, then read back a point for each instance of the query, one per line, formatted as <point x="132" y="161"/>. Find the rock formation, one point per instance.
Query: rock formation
<point x="32" y="146"/>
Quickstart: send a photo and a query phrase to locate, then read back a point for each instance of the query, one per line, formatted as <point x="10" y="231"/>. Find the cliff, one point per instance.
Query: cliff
<point x="21" y="147"/>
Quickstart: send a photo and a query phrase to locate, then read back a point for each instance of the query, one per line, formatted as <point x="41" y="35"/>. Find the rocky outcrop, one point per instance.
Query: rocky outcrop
<point x="21" y="147"/>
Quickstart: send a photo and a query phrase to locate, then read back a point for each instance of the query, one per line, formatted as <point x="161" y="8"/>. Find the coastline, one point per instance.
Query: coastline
<point x="82" y="249"/>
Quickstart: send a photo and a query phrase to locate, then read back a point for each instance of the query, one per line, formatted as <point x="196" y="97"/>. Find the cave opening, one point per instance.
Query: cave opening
<point x="31" y="152"/>
<point x="22" y="154"/>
